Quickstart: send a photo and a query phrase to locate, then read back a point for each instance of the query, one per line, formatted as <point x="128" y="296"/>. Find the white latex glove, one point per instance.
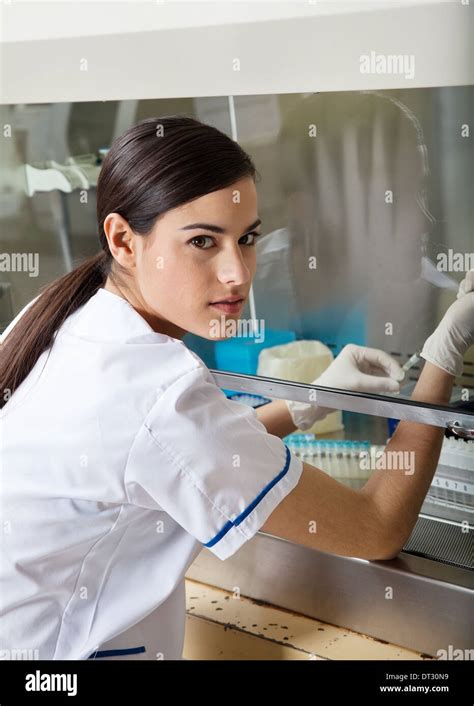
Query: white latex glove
<point x="356" y="368"/>
<point x="447" y="345"/>
<point x="467" y="285"/>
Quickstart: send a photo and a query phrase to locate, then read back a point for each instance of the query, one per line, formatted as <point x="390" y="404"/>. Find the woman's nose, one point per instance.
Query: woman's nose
<point x="232" y="268"/>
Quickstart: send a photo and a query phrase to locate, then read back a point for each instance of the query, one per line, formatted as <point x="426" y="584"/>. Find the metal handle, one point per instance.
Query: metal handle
<point x="459" y="430"/>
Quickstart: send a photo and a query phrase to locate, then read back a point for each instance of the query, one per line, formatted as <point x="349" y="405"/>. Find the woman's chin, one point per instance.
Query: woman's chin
<point x="216" y="338"/>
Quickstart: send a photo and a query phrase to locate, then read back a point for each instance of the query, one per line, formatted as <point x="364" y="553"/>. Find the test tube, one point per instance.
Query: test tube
<point x="413" y="360"/>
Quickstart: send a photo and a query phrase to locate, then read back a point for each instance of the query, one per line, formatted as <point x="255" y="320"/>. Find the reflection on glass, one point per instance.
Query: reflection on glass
<point x="365" y="198"/>
<point x="365" y="201"/>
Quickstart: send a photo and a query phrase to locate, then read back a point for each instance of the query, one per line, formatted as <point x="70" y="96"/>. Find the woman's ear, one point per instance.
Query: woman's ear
<point x="121" y="239"/>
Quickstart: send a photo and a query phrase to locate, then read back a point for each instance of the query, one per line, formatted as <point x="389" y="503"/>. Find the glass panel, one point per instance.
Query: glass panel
<point x="338" y="264"/>
<point x="367" y="206"/>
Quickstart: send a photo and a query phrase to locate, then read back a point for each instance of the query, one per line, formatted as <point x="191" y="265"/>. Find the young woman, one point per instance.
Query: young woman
<point x="120" y="456"/>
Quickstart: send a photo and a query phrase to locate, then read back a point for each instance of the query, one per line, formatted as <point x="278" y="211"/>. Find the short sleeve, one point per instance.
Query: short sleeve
<point x="209" y="463"/>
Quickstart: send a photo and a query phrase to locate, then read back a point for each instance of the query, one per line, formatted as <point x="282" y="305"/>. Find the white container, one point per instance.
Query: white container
<point x="300" y="361"/>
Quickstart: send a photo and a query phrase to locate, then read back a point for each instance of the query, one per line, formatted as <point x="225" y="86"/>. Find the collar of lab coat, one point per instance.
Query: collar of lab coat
<point x="108" y="317"/>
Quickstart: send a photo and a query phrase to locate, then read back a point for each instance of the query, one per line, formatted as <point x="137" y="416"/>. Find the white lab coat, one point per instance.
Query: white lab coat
<point x="120" y="458"/>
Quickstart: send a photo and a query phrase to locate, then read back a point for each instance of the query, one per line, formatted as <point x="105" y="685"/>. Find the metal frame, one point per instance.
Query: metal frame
<point x="379" y="406"/>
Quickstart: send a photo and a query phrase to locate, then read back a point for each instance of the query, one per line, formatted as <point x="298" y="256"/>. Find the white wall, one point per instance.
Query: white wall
<point x="68" y="51"/>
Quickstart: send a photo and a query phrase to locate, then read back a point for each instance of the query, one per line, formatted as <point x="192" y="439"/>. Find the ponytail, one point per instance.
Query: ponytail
<point x="34" y="332"/>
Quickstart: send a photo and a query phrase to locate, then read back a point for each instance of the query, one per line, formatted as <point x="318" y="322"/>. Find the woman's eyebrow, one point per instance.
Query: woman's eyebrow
<point x="218" y="229"/>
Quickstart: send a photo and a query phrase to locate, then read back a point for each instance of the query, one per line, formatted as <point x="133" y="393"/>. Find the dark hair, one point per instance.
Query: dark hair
<point x="154" y="166"/>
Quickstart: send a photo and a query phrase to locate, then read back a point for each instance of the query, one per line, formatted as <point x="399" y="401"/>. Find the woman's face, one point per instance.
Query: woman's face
<point x="181" y="268"/>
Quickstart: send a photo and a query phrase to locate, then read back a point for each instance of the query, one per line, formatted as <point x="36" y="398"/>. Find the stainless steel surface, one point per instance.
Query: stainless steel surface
<point x="431" y="605"/>
<point x="378" y="405"/>
<point x="442" y="540"/>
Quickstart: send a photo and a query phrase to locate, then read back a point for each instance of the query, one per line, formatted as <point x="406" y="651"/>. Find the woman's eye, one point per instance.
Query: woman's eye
<point x="200" y="237"/>
<point x="253" y="236"/>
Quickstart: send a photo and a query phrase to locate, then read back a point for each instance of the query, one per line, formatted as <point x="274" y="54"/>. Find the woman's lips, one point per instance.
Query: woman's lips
<point x="229" y="308"/>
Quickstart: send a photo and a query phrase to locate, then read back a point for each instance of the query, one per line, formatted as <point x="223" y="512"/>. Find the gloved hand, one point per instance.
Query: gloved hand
<point x="454" y="335"/>
<point x="467" y="285"/>
<point x="356" y="368"/>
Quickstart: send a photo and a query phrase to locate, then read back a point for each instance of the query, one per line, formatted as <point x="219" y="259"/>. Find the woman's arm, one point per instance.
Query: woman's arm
<point x="376" y="521"/>
<point x="399" y="494"/>
<point x="276" y="418"/>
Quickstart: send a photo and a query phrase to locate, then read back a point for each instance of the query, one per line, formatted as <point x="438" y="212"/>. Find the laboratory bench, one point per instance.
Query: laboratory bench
<point x="228" y="626"/>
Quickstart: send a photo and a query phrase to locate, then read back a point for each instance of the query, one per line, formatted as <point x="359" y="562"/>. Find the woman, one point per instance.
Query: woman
<point x="121" y="456"/>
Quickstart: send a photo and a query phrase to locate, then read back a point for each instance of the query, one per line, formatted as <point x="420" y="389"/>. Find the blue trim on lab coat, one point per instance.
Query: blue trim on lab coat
<point x="115" y="653"/>
<point x="253" y="504"/>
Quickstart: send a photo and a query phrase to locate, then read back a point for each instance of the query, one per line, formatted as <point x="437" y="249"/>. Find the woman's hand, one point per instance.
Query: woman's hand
<point x="372" y="370"/>
<point x="448" y="344"/>
<point x="356" y="368"/>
